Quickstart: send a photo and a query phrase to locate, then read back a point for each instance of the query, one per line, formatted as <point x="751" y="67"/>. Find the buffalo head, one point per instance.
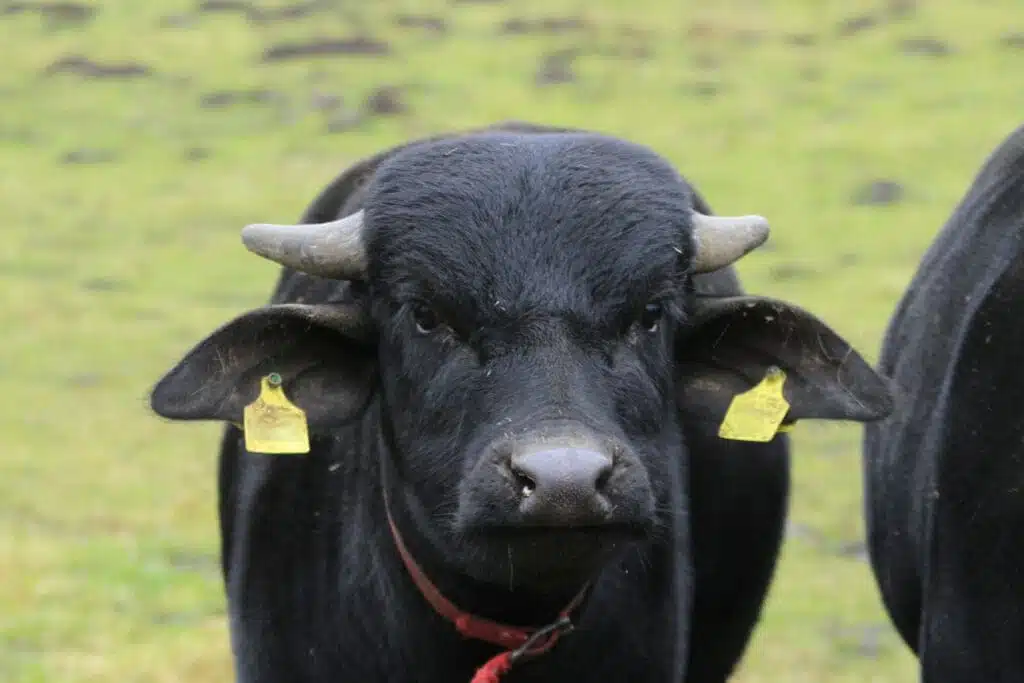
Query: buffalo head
<point x="521" y="338"/>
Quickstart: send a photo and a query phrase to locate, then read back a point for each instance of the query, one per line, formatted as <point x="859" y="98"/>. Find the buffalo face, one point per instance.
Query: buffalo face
<point x="527" y="293"/>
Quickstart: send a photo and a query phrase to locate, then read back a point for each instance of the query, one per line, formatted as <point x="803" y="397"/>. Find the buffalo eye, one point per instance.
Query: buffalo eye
<point x="426" y="319"/>
<point x="650" y="320"/>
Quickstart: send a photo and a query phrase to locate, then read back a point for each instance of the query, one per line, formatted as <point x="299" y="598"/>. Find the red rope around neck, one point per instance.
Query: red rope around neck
<point x="518" y="642"/>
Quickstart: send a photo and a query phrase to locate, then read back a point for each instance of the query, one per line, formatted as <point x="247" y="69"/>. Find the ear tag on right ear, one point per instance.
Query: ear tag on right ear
<point x="272" y="423"/>
<point x="756" y="414"/>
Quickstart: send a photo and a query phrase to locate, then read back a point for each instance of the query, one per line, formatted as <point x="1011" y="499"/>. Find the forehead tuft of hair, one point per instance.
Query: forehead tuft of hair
<point x="535" y="220"/>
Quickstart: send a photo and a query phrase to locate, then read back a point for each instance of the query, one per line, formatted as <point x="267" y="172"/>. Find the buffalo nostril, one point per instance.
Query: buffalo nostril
<point x="562" y="485"/>
<point x="524" y="483"/>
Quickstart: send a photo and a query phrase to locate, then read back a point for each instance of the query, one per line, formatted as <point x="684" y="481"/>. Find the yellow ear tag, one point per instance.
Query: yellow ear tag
<point x="755" y="415"/>
<point x="272" y="423"/>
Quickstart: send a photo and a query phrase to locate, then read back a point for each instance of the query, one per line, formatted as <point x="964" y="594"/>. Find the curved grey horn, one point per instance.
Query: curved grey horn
<point x="333" y="250"/>
<point x="722" y="240"/>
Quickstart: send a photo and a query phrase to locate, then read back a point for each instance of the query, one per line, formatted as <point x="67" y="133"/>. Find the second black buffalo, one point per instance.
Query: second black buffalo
<point x="944" y="473"/>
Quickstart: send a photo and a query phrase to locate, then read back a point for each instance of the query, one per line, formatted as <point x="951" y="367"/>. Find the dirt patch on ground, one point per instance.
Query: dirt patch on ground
<point x="54" y="13"/>
<point x="221" y="99"/>
<point x="435" y="25"/>
<point x="85" y="67"/>
<point x="327" y="47"/>
<point x="545" y="25"/>
<point x="556" y="68"/>
<point x="926" y="47"/>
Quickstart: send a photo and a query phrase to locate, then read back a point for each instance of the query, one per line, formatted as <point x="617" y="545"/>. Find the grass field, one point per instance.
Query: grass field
<point x="138" y="138"/>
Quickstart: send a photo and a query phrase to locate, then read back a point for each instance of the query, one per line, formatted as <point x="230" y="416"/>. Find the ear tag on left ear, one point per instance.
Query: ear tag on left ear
<point x="272" y="423"/>
<point x="756" y="414"/>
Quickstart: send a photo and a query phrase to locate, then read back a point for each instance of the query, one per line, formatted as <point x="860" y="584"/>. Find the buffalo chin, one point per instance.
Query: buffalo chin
<point x="545" y="559"/>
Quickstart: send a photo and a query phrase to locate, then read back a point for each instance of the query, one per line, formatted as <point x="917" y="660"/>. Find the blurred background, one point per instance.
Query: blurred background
<point x="137" y="137"/>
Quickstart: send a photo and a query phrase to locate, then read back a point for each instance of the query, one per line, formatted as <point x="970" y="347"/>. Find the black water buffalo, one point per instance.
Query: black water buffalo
<point x="944" y="472"/>
<point x="514" y="347"/>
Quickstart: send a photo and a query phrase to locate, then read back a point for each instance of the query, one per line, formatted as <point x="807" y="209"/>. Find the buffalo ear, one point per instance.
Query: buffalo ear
<point x="323" y="354"/>
<point x="730" y="343"/>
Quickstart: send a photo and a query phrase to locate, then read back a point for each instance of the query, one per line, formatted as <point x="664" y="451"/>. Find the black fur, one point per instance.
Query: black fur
<point x="944" y="472"/>
<point x="529" y="256"/>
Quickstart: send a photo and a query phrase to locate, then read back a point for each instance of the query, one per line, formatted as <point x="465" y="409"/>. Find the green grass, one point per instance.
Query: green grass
<point x="108" y="545"/>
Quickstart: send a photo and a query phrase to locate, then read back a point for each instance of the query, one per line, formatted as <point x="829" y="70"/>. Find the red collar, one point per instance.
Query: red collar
<point x="518" y="642"/>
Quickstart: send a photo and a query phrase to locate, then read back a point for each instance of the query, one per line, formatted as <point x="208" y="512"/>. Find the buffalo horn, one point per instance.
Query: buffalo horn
<point x="721" y="240"/>
<point x="333" y="250"/>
